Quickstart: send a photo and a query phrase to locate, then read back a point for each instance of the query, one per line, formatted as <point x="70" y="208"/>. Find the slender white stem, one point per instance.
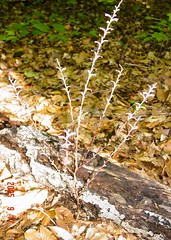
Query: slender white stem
<point x="127" y="136"/>
<point x="132" y="126"/>
<point x="17" y="90"/>
<point x="132" y="117"/>
<point x="108" y="101"/>
<point x="64" y="80"/>
<point x="91" y="72"/>
<point x="138" y="106"/>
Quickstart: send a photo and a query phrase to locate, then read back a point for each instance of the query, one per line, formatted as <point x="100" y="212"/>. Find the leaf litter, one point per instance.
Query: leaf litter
<point x="149" y="151"/>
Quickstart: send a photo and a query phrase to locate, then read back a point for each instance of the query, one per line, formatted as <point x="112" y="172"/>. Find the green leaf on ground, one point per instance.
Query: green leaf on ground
<point x="30" y="74"/>
<point x="53" y="37"/>
<point x="159" y="36"/>
<point x="59" y="27"/>
<point x="93" y="33"/>
<point x="8" y="38"/>
<point x="41" y="26"/>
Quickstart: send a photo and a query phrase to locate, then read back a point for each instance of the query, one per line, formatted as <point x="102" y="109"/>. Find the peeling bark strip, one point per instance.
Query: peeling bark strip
<point x="142" y="206"/>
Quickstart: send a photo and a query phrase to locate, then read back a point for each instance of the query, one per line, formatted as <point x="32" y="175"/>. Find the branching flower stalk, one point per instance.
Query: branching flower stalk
<point x="66" y="87"/>
<point x="17" y="90"/>
<point x="131" y="127"/>
<point x="145" y="95"/>
<point x="91" y="72"/>
<point x="132" y="117"/>
<point x="108" y="101"/>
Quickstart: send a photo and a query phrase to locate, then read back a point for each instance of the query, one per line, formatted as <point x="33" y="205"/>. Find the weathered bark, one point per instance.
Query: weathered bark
<point x="142" y="206"/>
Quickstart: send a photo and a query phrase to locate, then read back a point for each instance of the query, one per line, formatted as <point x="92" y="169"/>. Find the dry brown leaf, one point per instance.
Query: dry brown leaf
<point x="64" y="214"/>
<point x="12" y="231"/>
<point x="168" y="167"/>
<point x="52" y="109"/>
<point x="162" y="94"/>
<point x="46" y="234"/>
<point x="167" y="147"/>
<point x="168" y="82"/>
<point x="62" y="224"/>
<point x="169" y="97"/>
<point x="32" y="234"/>
<point x="154" y="121"/>
<point x="35" y="217"/>
<point x="80" y="57"/>
<point x="157" y="162"/>
<point x="47" y="218"/>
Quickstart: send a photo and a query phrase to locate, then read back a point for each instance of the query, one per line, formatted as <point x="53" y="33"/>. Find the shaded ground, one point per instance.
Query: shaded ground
<point x="31" y="61"/>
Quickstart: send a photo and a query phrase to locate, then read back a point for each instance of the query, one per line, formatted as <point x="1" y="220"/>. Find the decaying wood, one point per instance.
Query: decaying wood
<point x="142" y="206"/>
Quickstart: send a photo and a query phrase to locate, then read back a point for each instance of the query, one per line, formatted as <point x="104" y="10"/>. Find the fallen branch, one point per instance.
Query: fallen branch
<point x="140" y="205"/>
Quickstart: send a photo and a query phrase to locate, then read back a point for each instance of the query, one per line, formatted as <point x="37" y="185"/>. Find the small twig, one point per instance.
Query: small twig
<point x="42" y="211"/>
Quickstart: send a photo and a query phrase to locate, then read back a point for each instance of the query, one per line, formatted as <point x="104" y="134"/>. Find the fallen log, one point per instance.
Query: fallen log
<point x="138" y="204"/>
<point x="141" y="205"/>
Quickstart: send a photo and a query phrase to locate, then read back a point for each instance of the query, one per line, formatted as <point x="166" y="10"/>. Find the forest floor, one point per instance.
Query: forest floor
<point x="33" y="35"/>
